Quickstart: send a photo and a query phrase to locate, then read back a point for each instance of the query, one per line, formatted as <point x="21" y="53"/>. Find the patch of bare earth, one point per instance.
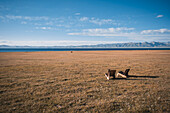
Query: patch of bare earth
<point x="75" y="82"/>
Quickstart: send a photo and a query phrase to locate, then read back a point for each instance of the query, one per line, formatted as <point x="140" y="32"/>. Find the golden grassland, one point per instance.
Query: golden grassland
<point x="75" y="82"/>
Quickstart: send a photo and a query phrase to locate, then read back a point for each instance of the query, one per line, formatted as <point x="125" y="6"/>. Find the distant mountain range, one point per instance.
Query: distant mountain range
<point x="132" y="44"/>
<point x="114" y="45"/>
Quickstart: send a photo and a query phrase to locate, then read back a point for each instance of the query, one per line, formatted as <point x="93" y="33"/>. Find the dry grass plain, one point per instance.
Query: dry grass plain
<point x="75" y="82"/>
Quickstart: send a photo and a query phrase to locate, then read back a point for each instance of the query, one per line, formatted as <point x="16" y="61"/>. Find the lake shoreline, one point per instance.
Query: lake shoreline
<point x="74" y="49"/>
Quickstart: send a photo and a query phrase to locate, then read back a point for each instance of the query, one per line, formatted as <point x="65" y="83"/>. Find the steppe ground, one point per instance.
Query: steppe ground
<point x="75" y="82"/>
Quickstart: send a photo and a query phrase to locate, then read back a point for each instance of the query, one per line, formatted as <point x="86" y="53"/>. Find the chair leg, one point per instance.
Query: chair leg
<point x="117" y="75"/>
<point x="123" y="76"/>
<point x="107" y="76"/>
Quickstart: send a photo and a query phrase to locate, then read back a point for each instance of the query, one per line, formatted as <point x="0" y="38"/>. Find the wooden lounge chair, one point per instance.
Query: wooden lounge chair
<point x="110" y="73"/>
<point x="123" y="74"/>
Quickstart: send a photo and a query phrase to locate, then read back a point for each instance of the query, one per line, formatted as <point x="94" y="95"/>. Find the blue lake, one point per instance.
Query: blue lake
<point x="73" y="49"/>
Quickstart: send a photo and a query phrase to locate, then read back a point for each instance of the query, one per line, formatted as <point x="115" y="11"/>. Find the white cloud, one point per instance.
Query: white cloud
<point x="108" y="30"/>
<point x="37" y="24"/>
<point x="23" y="22"/>
<point x="84" y="18"/>
<point x="39" y="18"/>
<point x="54" y="43"/>
<point x="155" y="31"/>
<point x="103" y="34"/>
<point x="122" y="31"/>
<point x="13" y="17"/>
<point x="63" y="25"/>
<point x="127" y="33"/>
<point x="98" y="21"/>
<point x="1" y="17"/>
<point x="49" y="23"/>
<point x="26" y="17"/>
<point x="62" y="21"/>
<point x="44" y="28"/>
<point x="77" y="14"/>
<point x="102" y="21"/>
<point x="159" y="16"/>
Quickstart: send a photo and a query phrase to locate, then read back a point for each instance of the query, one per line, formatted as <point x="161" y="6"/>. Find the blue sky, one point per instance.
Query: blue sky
<point x="83" y="22"/>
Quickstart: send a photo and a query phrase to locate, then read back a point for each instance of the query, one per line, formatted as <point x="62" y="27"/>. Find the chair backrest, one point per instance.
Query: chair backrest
<point x="111" y="72"/>
<point x="126" y="72"/>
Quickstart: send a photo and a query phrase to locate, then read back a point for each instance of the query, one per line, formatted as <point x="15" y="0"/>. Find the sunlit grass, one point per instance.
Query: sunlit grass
<point x="75" y="82"/>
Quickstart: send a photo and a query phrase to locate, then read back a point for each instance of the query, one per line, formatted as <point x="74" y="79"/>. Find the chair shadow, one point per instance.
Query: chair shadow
<point x="129" y="77"/>
<point x="143" y="76"/>
<point x="125" y="79"/>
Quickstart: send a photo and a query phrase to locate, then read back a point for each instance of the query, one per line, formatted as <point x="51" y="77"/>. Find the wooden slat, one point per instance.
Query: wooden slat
<point x="123" y="76"/>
